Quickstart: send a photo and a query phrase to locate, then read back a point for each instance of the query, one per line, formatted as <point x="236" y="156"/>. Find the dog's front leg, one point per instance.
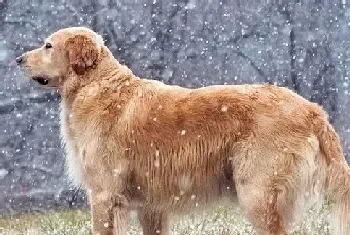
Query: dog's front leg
<point x="109" y="214"/>
<point x="153" y="222"/>
<point x="101" y="213"/>
<point x="120" y="215"/>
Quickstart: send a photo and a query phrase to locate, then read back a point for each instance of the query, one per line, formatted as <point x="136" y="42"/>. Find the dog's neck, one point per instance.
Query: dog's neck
<point x="107" y="69"/>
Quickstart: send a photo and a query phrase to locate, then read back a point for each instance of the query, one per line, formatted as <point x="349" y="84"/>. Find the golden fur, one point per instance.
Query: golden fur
<point x="140" y="144"/>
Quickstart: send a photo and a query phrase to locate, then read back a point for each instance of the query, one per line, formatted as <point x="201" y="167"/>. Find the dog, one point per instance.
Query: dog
<point x="138" y="144"/>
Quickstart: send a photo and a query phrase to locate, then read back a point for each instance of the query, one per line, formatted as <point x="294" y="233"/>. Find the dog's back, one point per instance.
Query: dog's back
<point x="178" y="141"/>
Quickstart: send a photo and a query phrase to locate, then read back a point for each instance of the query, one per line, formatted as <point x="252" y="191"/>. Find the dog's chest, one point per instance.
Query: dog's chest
<point x="73" y="162"/>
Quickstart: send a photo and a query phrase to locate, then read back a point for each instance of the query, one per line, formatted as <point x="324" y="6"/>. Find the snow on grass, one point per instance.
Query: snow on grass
<point x="224" y="221"/>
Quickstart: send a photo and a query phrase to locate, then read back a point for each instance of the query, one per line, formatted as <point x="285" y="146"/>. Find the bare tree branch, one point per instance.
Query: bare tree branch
<point x="252" y="63"/>
<point x="3" y="10"/>
<point x="285" y="9"/>
<point x="21" y="23"/>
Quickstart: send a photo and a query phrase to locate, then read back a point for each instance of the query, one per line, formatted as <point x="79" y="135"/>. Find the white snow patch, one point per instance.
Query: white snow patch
<point x="156" y="163"/>
<point x="224" y="108"/>
<point x="191" y="4"/>
<point x="185" y="183"/>
<point x="3" y="173"/>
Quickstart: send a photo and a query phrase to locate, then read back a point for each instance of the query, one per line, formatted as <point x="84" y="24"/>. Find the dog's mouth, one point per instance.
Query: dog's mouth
<point x="41" y="80"/>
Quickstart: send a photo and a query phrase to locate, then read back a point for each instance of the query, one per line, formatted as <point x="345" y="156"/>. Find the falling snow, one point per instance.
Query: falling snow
<point x="303" y="46"/>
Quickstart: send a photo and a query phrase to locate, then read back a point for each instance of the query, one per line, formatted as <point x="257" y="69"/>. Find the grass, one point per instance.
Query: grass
<point x="224" y="221"/>
<point x="60" y="223"/>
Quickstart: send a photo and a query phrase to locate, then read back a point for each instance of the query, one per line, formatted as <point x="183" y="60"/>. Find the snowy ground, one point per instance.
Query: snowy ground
<point x="224" y="221"/>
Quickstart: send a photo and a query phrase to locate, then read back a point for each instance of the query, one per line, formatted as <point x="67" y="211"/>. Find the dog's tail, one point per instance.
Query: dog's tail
<point x="338" y="175"/>
<point x="338" y="188"/>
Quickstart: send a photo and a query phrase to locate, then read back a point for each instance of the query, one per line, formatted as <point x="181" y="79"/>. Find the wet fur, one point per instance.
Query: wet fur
<point x="140" y="144"/>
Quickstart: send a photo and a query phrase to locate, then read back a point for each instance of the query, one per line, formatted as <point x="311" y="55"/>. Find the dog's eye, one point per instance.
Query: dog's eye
<point x="48" y="45"/>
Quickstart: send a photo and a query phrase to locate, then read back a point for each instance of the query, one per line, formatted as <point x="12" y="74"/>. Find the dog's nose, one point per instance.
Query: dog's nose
<point x="20" y="59"/>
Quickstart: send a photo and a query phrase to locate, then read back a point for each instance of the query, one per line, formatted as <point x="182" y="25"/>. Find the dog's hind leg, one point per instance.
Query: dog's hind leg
<point x="275" y="187"/>
<point x="266" y="207"/>
<point x="153" y="222"/>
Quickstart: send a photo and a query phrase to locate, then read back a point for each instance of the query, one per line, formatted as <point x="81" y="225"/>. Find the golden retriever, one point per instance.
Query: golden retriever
<point x="140" y="144"/>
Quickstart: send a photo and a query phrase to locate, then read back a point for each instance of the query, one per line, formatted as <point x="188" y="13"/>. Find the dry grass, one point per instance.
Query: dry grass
<point x="224" y="221"/>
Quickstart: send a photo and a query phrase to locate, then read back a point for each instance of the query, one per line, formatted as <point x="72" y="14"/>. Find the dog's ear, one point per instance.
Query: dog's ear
<point x="82" y="53"/>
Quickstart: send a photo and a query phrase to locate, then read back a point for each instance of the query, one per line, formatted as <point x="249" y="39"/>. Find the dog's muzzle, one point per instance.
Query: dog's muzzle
<point x="19" y="60"/>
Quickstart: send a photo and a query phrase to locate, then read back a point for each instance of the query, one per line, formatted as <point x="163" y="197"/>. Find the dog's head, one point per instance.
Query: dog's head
<point x="70" y="50"/>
